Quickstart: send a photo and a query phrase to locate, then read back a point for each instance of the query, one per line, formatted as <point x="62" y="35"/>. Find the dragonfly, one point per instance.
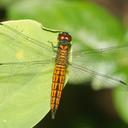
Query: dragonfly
<point x="56" y="50"/>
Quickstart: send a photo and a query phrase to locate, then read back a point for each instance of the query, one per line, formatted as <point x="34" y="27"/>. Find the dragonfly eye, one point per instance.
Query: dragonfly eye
<point x="64" y="36"/>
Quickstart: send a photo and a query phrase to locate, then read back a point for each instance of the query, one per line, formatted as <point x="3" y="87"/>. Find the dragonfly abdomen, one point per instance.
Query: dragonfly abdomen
<point x="58" y="79"/>
<point x="57" y="86"/>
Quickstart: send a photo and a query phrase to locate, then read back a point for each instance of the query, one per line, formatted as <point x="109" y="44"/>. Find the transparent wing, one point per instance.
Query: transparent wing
<point x="100" y="65"/>
<point x="22" y="56"/>
<point x="92" y="54"/>
<point x="9" y="31"/>
<point x="25" y="68"/>
<point x="24" y="48"/>
<point x="99" y="80"/>
<point x="17" y="37"/>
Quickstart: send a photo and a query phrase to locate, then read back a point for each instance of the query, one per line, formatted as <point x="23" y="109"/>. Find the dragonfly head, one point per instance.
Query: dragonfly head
<point x="64" y="38"/>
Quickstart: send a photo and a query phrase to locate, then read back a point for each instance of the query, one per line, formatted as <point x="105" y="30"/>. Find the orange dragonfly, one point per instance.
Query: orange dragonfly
<point x="62" y="52"/>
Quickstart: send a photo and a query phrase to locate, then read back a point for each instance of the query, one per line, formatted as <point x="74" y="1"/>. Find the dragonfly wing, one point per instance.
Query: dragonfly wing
<point x="100" y="54"/>
<point x="111" y="60"/>
<point x="99" y="80"/>
<point x="25" y="68"/>
<point x="19" y="53"/>
<point x="17" y="45"/>
<point x="31" y="32"/>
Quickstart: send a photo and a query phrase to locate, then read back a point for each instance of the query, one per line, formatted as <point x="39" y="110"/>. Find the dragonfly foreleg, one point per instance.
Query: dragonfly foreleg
<point x="54" y="48"/>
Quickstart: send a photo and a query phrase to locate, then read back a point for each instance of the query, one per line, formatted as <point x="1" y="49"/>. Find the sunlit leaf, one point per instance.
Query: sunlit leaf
<point x="24" y="89"/>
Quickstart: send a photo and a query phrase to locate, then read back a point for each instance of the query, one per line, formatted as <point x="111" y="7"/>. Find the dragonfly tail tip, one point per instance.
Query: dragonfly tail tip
<point x="53" y="114"/>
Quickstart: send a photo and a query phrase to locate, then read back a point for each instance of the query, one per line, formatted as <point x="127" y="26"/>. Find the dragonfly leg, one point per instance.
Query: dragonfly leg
<point x="54" y="48"/>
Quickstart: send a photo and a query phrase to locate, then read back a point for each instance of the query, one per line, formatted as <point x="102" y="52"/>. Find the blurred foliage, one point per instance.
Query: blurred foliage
<point x="91" y="27"/>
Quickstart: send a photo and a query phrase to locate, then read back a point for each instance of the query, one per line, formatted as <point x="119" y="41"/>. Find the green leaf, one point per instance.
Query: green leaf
<point x="24" y="89"/>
